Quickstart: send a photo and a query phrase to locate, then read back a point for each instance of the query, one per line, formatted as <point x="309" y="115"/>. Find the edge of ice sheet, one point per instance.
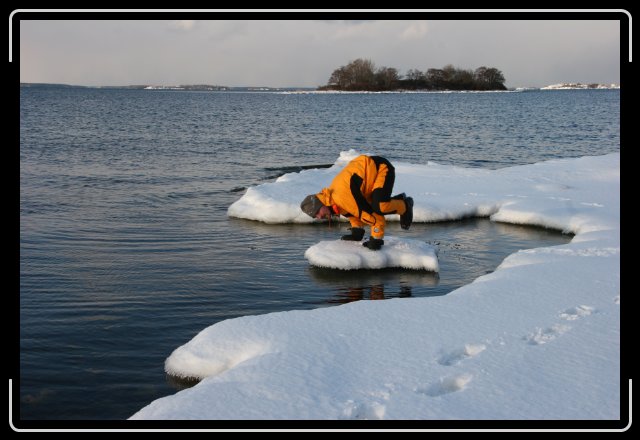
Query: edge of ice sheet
<point x="537" y="339"/>
<point x="553" y="194"/>
<point x="396" y="252"/>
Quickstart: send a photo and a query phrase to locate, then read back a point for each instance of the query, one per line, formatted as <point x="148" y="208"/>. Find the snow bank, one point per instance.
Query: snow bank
<point x="396" y="252"/>
<point x="537" y="339"/>
<point x="555" y="194"/>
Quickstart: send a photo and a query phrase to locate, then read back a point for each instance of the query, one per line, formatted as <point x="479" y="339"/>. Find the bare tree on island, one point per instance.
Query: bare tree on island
<point x="386" y="78"/>
<point x="361" y="74"/>
<point x="489" y="77"/>
<point x="357" y="75"/>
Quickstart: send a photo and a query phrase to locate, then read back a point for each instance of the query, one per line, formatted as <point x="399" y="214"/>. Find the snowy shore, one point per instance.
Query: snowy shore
<point x="537" y="339"/>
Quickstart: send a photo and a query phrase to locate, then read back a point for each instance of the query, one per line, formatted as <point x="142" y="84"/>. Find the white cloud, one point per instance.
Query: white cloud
<point x="182" y="25"/>
<point x="415" y="30"/>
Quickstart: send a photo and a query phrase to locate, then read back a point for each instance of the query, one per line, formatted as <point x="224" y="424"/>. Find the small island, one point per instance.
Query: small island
<point x="362" y="75"/>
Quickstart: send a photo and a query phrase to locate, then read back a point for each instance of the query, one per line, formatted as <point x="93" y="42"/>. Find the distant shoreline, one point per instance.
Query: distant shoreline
<point x="591" y="86"/>
<point x="215" y="88"/>
<point x="190" y="87"/>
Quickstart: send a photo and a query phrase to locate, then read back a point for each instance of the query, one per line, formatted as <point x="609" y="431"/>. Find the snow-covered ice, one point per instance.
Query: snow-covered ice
<point x="538" y="338"/>
<point x="396" y="252"/>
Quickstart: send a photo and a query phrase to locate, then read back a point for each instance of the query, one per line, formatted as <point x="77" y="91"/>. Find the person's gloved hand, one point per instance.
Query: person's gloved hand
<point x="356" y="234"/>
<point x="373" y="243"/>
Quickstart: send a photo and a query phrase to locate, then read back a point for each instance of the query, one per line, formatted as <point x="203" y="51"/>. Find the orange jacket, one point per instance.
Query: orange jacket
<point x="350" y="191"/>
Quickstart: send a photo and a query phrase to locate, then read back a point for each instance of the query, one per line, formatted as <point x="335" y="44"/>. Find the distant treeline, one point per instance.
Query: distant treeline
<point x="362" y="74"/>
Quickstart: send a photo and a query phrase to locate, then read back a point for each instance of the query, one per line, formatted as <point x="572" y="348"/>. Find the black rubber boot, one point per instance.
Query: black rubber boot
<point x="373" y="243"/>
<point x="357" y="234"/>
<point x="407" y="218"/>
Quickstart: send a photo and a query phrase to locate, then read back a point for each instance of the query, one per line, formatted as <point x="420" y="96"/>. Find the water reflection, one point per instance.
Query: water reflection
<point x="180" y="383"/>
<point x="357" y="293"/>
<point x="372" y="292"/>
<point x="347" y="286"/>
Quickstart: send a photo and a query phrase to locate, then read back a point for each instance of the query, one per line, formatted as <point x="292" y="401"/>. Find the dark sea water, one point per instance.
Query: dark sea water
<point x="126" y="250"/>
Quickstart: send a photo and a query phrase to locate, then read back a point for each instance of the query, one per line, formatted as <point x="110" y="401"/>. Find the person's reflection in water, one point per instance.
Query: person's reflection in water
<point x="351" y="294"/>
<point x="377" y="291"/>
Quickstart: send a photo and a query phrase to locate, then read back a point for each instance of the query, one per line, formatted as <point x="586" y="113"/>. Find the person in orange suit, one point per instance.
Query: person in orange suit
<point x="362" y="193"/>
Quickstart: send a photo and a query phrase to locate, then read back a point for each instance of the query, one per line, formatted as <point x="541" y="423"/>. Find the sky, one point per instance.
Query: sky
<point x="537" y="339"/>
<point x="304" y="53"/>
